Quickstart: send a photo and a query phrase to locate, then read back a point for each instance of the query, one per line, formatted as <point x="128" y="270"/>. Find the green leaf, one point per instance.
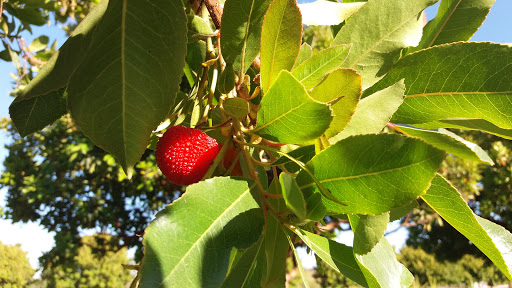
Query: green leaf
<point x="369" y="231"/>
<point x="304" y="53"/>
<point x="221" y="208"/>
<point x="493" y="240"/>
<point x="399" y="212"/>
<point x="373" y="173"/>
<point x="373" y="112"/>
<point x="130" y="70"/>
<point x="276" y="251"/>
<point x="450" y="142"/>
<point x="236" y="107"/>
<point x="314" y="69"/>
<point x="289" y="115"/>
<point x="280" y="40"/>
<point x="303" y="275"/>
<point x="197" y="28"/>
<point x="249" y="269"/>
<point x="344" y="87"/>
<point x="241" y="31"/>
<point x="292" y="195"/>
<point x="378" y="40"/>
<point x="30" y="16"/>
<point x="323" y="12"/>
<point x="379" y="265"/>
<point x="471" y="124"/>
<point x="340" y="257"/>
<point x="456" y="20"/>
<point x="42" y="101"/>
<point x="226" y="81"/>
<point x="315" y="207"/>
<point x="303" y="154"/>
<point x="464" y="81"/>
<point x="38" y="44"/>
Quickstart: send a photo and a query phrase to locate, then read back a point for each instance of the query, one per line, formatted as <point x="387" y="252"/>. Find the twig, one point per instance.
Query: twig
<point x="215" y="11"/>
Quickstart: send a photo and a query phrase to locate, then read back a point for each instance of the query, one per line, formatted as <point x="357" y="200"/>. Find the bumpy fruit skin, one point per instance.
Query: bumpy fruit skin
<point x="184" y="154"/>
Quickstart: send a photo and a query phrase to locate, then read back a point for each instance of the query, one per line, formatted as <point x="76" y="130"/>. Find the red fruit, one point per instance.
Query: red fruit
<point x="184" y="154"/>
<point x="229" y="157"/>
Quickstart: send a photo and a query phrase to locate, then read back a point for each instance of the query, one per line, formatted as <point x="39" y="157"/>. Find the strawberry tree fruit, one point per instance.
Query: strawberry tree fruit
<point x="184" y="154"/>
<point x="230" y="157"/>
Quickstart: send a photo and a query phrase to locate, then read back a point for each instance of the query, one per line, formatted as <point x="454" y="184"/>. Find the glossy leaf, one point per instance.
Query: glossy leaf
<point x="343" y="86"/>
<point x="221" y="207"/>
<point x="304" y="53"/>
<point x="129" y="70"/>
<point x="369" y="231"/>
<point x="249" y="269"/>
<point x="38" y="44"/>
<point x="373" y="112"/>
<point x="236" y="107"/>
<point x="338" y="256"/>
<point x="378" y="40"/>
<point x="493" y="240"/>
<point x="241" y="31"/>
<point x="226" y="81"/>
<point x="292" y="195"/>
<point x="43" y="101"/>
<point x="456" y="20"/>
<point x="289" y="115"/>
<point x="323" y="12"/>
<point x="373" y="173"/>
<point x="470" y="124"/>
<point x="315" y="207"/>
<point x="399" y="212"/>
<point x="280" y="40"/>
<point x="302" y="273"/>
<point x="450" y="142"/>
<point x="314" y="69"/>
<point x="276" y="251"/>
<point x="379" y="265"/>
<point x="465" y="81"/>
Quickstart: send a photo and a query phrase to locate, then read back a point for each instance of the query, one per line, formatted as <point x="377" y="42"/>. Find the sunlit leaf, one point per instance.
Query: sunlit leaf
<point x="455" y="81"/>
<point x="456" y="20"/>
<point x="314" y="69"/>
<point x="280" y="40"/>
<point x="289" y="115"/>
<point x="221" y="208"/>
<point x="492" y="239"/>
<point x="373" y="112"/>
<point x="378" y="40"/>
<point x="450" y="142"/>
<point x="377" y="260"/>
<point x="373" y="173"/>
<point x="338" y="256"/>
<point x="343" y="86"/>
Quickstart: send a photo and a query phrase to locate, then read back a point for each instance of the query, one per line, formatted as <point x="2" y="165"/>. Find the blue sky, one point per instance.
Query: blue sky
<point x="35" y="240"/>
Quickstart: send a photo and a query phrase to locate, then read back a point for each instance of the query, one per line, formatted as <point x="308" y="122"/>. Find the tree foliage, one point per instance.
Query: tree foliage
<point x="58" y="177"/>
<point x="96" y="264"/>
<point x="318" y="117"/>
<point x="15" y="270"/>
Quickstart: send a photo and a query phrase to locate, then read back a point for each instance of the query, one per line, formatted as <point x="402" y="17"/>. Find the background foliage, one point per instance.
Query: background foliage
<point x="59" y="177"/>
<point x="15" y="271"/>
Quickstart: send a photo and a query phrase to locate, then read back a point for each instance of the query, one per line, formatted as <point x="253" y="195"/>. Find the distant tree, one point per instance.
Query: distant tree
<point x="59" y="177"/>
<point x="95" y="265"/>
<point x="15" y="270"/>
